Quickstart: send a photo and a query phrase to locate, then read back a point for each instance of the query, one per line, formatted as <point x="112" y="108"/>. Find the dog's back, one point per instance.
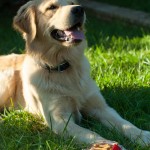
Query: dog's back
<point x="13" y="61"/>
<point x="10" y="66"/>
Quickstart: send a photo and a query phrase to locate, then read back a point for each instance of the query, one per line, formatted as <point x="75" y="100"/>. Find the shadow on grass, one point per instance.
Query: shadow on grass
<point x="132" y="103"/>
<point x="106" y="32"/>
<point x="10" y="40"/>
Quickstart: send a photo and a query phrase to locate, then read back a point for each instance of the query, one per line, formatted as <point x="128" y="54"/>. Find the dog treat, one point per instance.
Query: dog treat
<point x="104" y="146"/>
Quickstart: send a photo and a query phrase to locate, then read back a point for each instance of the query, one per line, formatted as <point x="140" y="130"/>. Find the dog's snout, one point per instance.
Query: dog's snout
<point x="77" y="10"/>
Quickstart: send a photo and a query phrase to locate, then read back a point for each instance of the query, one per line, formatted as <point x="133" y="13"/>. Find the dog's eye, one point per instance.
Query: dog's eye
<point x="52" y="7"/>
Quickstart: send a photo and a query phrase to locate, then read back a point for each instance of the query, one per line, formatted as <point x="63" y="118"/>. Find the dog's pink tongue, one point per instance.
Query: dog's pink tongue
<point x="75" y="34"/>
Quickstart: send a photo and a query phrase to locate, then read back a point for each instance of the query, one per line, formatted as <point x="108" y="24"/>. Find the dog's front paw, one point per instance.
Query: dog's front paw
<point x="144" y="139"/>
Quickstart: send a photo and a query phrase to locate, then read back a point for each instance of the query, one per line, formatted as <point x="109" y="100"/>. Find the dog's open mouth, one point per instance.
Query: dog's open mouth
<point x="71" y="35"/>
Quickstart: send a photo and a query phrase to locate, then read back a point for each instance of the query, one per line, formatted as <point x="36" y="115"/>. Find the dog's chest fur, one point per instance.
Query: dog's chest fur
<point x="44" y="87"/>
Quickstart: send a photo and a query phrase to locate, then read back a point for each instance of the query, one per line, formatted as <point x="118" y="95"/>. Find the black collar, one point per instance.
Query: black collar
<point x="60" y="68"/>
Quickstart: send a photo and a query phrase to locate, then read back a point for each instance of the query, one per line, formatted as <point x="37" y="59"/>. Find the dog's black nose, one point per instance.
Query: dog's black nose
<point x="77" y="10"/>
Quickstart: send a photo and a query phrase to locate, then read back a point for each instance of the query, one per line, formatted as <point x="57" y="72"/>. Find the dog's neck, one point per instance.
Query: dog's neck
<point x="59" y="68"/>
<point x="54" y="58"/>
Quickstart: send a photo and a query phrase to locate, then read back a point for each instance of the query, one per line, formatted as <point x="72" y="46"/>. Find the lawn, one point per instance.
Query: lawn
<point x="120" y="63"/>
<point x="142" y="5"/>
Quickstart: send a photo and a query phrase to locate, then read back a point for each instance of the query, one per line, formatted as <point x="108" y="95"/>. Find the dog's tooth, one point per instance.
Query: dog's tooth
<point x="67" y="39"/>
<point x="70" y="40"/>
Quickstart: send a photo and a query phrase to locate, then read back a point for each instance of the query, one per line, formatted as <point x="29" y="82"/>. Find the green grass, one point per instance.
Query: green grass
<point x="10" y="41"/>
<point x="120" y="64"/>
<point x="22" y="131"/>
<point x="142" y="5"/>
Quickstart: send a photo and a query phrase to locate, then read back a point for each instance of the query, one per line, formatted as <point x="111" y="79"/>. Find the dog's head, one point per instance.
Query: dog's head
<point x="55" y="21"/>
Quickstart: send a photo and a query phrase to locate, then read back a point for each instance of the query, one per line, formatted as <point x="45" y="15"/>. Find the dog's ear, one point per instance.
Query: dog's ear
<point x="24" y="21"/>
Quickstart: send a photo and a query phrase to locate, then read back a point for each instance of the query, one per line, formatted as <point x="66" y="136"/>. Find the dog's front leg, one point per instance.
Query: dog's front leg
<point x="97" y="107"/>
<point x="60" y="116"/>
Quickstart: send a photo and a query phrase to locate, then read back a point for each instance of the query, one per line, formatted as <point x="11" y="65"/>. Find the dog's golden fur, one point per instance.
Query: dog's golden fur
<point x="58" y="96"/>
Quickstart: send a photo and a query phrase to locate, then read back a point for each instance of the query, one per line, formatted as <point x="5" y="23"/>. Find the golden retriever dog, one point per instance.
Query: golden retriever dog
<point x="53" y="77"/>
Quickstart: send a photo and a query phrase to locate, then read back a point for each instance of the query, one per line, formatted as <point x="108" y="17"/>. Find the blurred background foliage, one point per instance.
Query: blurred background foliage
<point x="142" y="5"/>
<point x="13" y="3"/>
